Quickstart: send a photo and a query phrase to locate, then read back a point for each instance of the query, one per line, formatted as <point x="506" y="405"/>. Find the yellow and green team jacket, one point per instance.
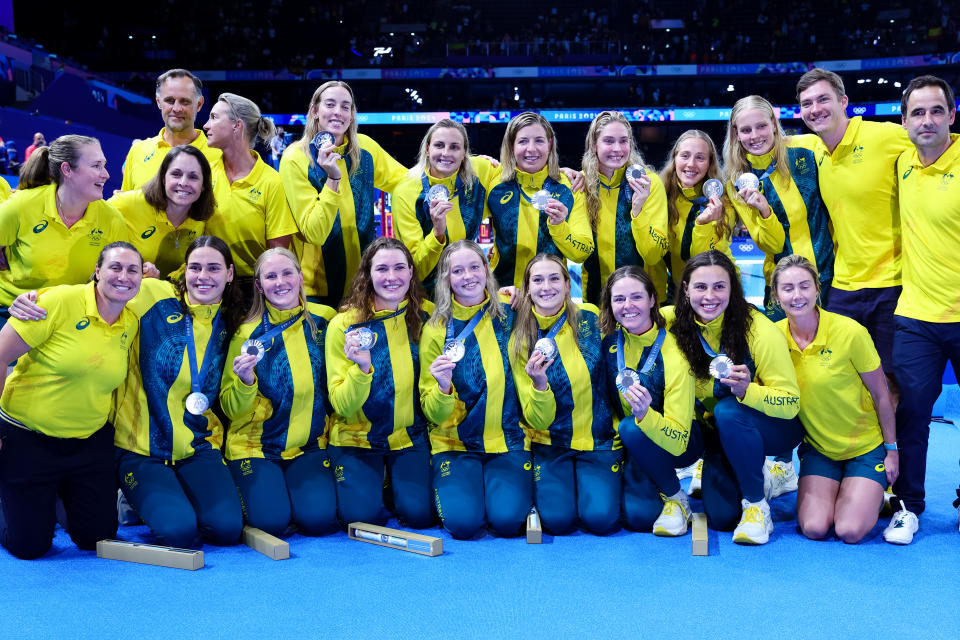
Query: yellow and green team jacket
<point x="379" y="410"/>
<point x="5" y="191"/>
<point x="773" y="389"/>
<point x="335" y="226"/>
<point x="250" y="211"/>
<point x="858" y="183"/>
<point x="572" y="412"/>
<point x="620" y="238"/>
<point x="521" y="232"/>
<point x="151" y="233"/>
<point x="481" y="412"/>
<point x="285" y="411"/>
<point x="144" y="158"/>
<point x="63" y="387"/>
<point x="687" y="239"/>
<point x="798" y="222"/>
<point x="42" y="251"/>
<point x="414" y="227"/>
<point x="669" y="382"/>
<point x="150" y="417"/>
<point x="836" y="408"/>
<point x="930" y="214"/>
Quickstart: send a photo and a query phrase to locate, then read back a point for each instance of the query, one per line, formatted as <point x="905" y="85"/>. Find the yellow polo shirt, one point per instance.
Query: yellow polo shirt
<point x="836" y="409"/>
<point x="930" y="219"/>
<point x="249" y="212"/>
<point x="42" y="251"/>
<point x="144" y="158"/>
<point x="858" y="183"/>
<point x="63" y="387"/>
<point x="152" y="234"/>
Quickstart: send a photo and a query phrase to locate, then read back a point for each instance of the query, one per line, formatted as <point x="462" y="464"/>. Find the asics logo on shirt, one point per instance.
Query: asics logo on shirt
<point x="174" y="317"/>
<point x="149" y="232"/>
<point x="506" y="197"/>
<point x="907" y="173"/>
<point x="149" y="155"/>
<point x="40" y="227"/>
<point x="83" y="324"/>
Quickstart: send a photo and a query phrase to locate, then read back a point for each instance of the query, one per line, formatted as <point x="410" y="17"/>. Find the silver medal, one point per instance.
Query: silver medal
<point x="713" y="188"/>
<point x="626" y="379"/>
<point x="540" y="199"/>
<point x="547" y="347"/>
<point x="253" y="348"/>
<point x="747" y="181"/>
<point x="367" y="338"/>
<point x="438" y="192"/>
<point x="636" y="171"/>
<point x="455" y="350"/>
<point x="324" y="139"/>
<point x="197" y="403"/>
<point x="721" y="366"/>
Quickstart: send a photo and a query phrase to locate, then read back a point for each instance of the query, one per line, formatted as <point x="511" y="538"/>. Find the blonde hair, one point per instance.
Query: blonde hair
<point x="671" y="183"/>
<point x="443" y="294"/>
<point x="590" y="165"/>
<point x="259" y="299"/>
<point x="735" y="156"/>
<point x="311" y="129"/>
<point x="525" y="325"/>
<point x="788" y="262"/>
<point x="465" y="172"/>
<point x="246" y="111"/>
<point x="508" y="162"/>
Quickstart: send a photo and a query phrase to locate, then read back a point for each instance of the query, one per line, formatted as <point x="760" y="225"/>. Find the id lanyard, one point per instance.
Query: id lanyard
<point x="198" y="376"/>
<point x="651" y="355"/>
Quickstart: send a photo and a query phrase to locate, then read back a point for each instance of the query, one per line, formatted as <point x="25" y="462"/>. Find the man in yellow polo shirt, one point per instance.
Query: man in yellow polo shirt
<point x="928" y="314"/>
<point x="856" y="166"/>
<point x="179" y="98"/>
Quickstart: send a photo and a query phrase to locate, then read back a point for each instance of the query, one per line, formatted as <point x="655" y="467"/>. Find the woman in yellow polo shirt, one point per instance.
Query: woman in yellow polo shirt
<point x="329" y="181"/>
<point x="849" y="451"/>
<point x="373" y="363"/>
<point x="252" y="213"/>
<point x="442" y="199"/>
<point x="275" y="395"/>
<point x="626" y="204"/>
<point x="52" y="233"/>
<point x="54" y="406"/>
<point x="169" y="212"/>
<point x="482" y="472"/>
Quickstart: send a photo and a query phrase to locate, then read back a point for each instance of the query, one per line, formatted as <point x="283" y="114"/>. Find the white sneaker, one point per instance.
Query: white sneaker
<point x="674" y="517"/>
<point x="687" y="472"/>
<point x="778" y="478"/>
<point x="755" y="524"/>
<point x="902" y="526"/>
<point x="695" y="480"/>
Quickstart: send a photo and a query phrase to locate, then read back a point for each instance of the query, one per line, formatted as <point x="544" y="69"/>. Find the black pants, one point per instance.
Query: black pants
<point x="35" y="469"/>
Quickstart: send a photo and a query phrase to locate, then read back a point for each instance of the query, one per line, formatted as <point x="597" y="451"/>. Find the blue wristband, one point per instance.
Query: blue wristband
<point x="890" y="446"/>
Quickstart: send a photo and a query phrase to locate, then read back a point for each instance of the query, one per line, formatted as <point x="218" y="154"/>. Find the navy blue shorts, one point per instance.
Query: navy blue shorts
<point x="873" y="308"/>
<point x="868" y="465"/>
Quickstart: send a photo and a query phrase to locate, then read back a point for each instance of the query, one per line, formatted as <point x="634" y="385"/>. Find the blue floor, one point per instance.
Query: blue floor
<point x="626" y="585"/>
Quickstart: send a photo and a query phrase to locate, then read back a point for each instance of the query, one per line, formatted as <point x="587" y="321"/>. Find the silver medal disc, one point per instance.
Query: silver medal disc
<point x="367" y="338"/>
<point x="197" y="403"/>
<point x="747" y="181"/>
<point x="636" y="171"/>
<point x="324" y="139"/>
<point x="540" y="199"/>
<point x="713" y="188"/>
<point x="626" y="379"/>
<point x="438" y="192"/>
<point x="253" y="348"/>
<point x="455" y="350"/>
<point x="547" y="347"/>
<point x="720" y="367"/>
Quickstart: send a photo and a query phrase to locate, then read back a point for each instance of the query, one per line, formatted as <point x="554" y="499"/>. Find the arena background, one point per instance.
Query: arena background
<point x="90" y="68"/>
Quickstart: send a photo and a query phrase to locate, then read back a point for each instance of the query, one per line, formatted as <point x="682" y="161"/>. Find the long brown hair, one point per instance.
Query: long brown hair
<point x="155" y="190"/>
<point x="672" y="184"/>
<point x="590" y="164"/>
<point x="508" y="161"/>
<point x="608" y="324"/>
<point x="311" y="129"/>
<point x="361" y="295"/>
<point x="525" y="325"/>
<point x="231" y="304"/>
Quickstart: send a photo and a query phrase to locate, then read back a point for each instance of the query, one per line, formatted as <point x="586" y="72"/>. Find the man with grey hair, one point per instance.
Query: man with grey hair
<point x="179" y="98"/>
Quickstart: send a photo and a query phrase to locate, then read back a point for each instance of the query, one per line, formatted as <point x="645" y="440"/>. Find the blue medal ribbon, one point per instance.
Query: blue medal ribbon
<point x="708" y="349"/>
<point x="467" y="330"/>
<point x="198" y="376"/>
<point x="376" y="320"/>
<point x="277" y="330"/>
<point x="651" y="355"/>
<point x="555" y="329"/>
